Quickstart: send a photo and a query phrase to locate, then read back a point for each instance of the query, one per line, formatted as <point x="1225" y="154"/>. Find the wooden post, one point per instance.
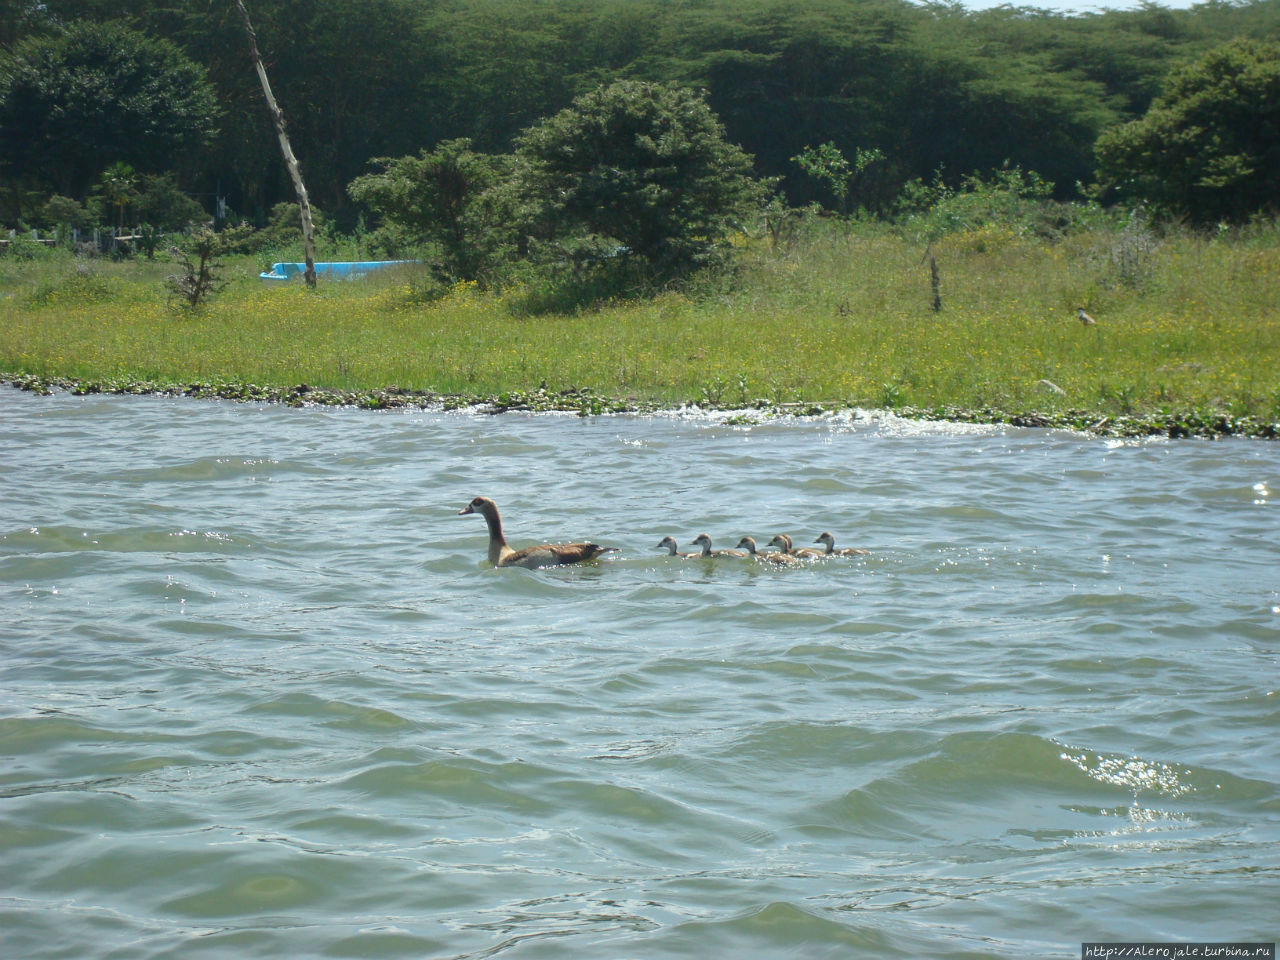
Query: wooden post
<point x="935" y="282"/>
<point x="290" y="161"/>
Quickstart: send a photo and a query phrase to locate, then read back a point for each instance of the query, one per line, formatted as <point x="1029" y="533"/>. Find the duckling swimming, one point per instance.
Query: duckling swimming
<point x="704" y="541"/>
<point x="780" y="559"/>
<point x="783" y="542"/>
<point x="830" y="541"/>
<point x="669" y="544"/>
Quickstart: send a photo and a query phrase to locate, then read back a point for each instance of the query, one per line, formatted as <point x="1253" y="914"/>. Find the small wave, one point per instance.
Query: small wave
<point x="59" y="539"/>
<point x="224" y="468"/>
<point x="775" y="929"/>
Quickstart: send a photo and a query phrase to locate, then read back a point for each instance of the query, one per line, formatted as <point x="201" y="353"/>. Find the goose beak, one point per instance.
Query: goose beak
<point x="466" y="509"/>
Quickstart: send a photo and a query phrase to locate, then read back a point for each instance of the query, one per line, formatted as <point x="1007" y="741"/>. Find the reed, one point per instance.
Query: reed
<point x="840" y="316"/>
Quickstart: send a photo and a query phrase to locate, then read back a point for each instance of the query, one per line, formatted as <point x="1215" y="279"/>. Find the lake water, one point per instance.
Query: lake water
<point x="260" y="697"/>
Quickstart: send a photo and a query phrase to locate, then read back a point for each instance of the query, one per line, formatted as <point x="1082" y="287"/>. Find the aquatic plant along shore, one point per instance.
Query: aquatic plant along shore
<point x="585" y="403"/>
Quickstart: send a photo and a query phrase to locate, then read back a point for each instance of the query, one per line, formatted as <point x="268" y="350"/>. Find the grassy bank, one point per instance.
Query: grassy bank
<point x="1188" y="331"/>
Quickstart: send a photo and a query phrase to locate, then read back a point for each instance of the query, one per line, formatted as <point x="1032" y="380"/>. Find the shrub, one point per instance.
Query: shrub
<point x="444" y="197"/>
<point x="645" y="169"/>
<point x="161" y="204"/>
<point x="283" y="229"/>
<point x="1209" y="147"/>
<point x="200" y="257"/>
<point x="65" y="213"/>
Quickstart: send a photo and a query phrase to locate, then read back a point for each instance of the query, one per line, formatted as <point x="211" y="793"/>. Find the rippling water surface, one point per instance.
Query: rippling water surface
<point x="261" y="697"/>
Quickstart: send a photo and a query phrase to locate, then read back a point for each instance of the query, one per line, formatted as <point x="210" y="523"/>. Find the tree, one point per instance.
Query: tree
<point x="162" y="205"/>
<point x="1209" y="146"/>
<point x="65" y="214"/>
<point x="96" y="94"/>
<point x="286" y="150"/>
<point x="440" y="196"/>
<point x="118" y="187"/>
<point x="644" y="165"/>
<point x="828" y="165"/>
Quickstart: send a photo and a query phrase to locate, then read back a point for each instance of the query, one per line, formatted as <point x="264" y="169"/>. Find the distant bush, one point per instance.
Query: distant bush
<point x="283" y="229"/>
<point x="1209" y="147"/>
<point x="200" y="257"/>
<point x="445" y="198"/>
<point x="64" y="212"/>
<point x="161" y="204"/>
<point x="828" y="165"/>
<point x="645" y="167"/>
<point x="21" y="247"/>
<point x="1010" y="202"/>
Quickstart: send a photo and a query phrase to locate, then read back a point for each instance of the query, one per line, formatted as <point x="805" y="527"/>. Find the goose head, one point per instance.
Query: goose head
<point x="748" y="544"/>
<point x="479" y="505"/>
<point x="826" y="539"/>
<point x="702" y="540"/>
<point x="668" y="544"/>
<point x="782" y="542"/>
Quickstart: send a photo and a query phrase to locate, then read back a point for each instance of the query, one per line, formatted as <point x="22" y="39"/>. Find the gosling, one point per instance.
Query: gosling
<point x="830" y="542"/>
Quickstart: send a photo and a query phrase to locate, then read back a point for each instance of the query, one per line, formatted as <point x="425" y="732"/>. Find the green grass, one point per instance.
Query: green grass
<point x="1186" y="325"/>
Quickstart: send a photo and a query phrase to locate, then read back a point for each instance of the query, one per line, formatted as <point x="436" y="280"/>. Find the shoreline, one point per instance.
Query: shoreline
<point x="585" y="402"/>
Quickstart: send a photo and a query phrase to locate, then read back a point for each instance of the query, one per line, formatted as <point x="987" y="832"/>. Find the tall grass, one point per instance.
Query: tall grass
<point x="843" y="315"/>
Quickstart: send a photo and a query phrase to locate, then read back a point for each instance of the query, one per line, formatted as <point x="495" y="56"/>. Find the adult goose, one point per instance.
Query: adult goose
<point x="830" y="542"/>
<point x="783" y="542"/>
<point x="669" y="544"/>
<point x="780" y="559"/>
<point x="704" y="541"/>
<point x="543" y="555"/>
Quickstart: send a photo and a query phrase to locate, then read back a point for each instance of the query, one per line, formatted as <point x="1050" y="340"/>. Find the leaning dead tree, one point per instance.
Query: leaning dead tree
<point x="290" y="161"/>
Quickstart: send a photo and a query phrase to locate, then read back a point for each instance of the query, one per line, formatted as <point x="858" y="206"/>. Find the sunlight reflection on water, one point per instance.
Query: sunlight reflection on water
<point x="263" y="698"/>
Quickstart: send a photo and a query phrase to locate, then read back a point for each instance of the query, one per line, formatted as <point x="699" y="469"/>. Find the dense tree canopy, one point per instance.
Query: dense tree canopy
<point x="642" y="165"/>
<point x="1209" y="147"/>
<point x="95" y="94"/>
<point x="443" y="196"/>
<point x="930" y="85"/>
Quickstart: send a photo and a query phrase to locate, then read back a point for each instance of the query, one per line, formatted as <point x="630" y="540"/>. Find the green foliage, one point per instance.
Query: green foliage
<point x="201" y="258"/>
<point x="641" y="165"/>
<point x="444" y="196"/>
<point x="283" y="229"/>
<point x="63" y="212"/>
<point x="1008" y="198"/>
<point x="93" y="93"/>
<point x="1209" y="147"/>
<point x="115" y="191"/>
<point x="847" y="309"/>
<point x="23" y="248"/>
<point x="161" y="204"/>
<point x="828" y="165"/>
<point x="932" y="85"/>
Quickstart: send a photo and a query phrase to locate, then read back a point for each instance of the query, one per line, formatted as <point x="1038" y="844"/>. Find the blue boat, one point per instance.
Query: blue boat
<point x="284" y="272"/>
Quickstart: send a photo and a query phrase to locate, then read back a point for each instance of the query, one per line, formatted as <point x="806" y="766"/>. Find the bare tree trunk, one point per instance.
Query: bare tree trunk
<point x="304" y="205"/>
